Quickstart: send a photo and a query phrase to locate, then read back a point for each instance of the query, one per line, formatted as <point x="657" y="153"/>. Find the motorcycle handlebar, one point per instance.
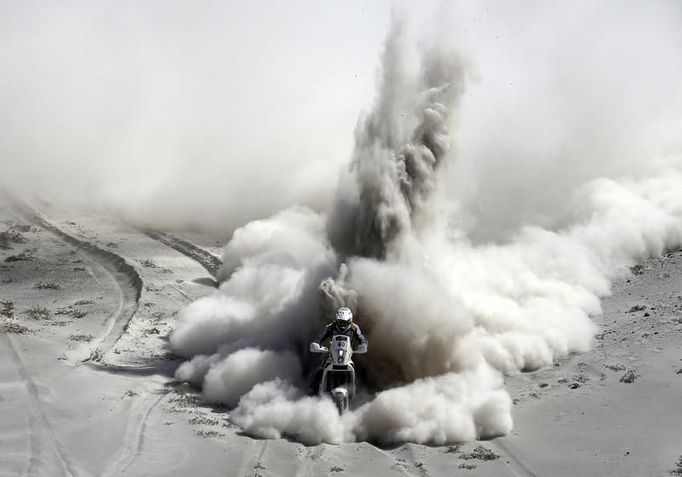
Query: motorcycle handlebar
<point x="316" y="348"/>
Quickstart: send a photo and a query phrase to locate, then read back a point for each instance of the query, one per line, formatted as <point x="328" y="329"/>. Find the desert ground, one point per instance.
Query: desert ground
<point x="87" y="387"/>
<point x="189" y="194"/>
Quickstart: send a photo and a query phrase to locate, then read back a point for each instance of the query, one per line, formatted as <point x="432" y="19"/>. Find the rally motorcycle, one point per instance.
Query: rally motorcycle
<point x="338" y="373"/>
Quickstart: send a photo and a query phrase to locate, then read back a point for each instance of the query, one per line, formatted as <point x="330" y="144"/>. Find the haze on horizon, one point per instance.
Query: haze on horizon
<point x="216" y="113"/>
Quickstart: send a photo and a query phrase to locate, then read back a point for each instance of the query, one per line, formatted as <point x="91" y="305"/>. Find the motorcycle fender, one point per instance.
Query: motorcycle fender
<point x="342" y="391"/>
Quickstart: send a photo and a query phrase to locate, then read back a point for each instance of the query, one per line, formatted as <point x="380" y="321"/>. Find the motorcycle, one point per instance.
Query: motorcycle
<point x="338" y="374"/>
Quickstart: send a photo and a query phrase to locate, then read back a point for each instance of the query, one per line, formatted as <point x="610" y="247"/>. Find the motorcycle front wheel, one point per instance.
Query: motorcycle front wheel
<point x="341" y="402"/>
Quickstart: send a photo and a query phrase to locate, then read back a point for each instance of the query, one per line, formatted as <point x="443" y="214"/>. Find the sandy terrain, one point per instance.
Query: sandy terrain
<point x="86" y="383"/>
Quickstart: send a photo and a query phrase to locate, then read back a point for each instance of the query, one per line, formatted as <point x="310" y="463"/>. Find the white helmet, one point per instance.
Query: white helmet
<point x="344" y="317"/>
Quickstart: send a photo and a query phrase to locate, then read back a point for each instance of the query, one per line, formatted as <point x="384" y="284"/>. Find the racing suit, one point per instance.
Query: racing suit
<point x="353" y="332"/>
<point x="356" y="338"/>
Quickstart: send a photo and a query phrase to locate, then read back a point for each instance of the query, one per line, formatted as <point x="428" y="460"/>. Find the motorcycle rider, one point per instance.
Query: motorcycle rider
<point x="342" y="325"/>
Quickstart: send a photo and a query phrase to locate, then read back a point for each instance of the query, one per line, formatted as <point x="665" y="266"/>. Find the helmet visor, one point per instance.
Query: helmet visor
<point x="342" y="325"/>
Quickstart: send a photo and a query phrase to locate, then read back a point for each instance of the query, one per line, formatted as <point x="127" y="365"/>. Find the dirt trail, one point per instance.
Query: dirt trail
<point x="206" y="259"/>
<point x="124" y="275"/>
<point x="515" y="465"/>
<point x="45" y="453"/>
<point x="133" y="440"/>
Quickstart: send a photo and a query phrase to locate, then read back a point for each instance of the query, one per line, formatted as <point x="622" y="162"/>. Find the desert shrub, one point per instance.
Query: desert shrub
<point x="38" y="313"/>
<point x="629" y="377"/>
<point x="480" y="453"/>
<point x="46" y="286"/>
<point x="637" y="269"/>
<point x="71" y="311"/>
<point x="81" y="337"/>
<point x="24" y="256"/>
<point x="678" y="470"/>
<point x="9" y="237"/>
<point x="96" y="355"/>
<point x="14" y="328"/>
<point x="7" y="308"/>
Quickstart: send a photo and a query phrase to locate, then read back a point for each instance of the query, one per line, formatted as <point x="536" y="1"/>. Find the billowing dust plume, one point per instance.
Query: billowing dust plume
<point x="446" y="318"/>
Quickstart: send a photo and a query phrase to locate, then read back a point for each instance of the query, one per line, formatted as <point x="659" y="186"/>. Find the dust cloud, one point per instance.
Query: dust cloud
<point x="447" y="312"/>
<point x="515" y="160"/>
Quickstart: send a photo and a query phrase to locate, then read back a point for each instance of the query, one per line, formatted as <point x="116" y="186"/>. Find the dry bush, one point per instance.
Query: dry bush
<point x="148" y="263"/>
<point x="96" y="355"/>
<point x="628" y="377"/>
<point x="47" y="286"/>
<point x="71" y="311"/>
<point x="38" y="313"/>
<point x="7" y="308"/>
<point x="9" y="237"/>
<point x="81" y="337"/>
<point x="14" y="328"/>
<point x="637" y="269"/>
<point x="24" y="256"/>
<point x="480" y="453"/>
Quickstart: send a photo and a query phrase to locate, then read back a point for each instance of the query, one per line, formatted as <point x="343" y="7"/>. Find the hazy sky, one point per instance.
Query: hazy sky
<point x="181" y="111"/>
<point x="129" y="86"/>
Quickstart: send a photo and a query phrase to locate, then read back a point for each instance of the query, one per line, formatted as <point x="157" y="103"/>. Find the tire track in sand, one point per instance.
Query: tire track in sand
<point x="515" y="465"/>
<point x="45" y="447"/>
<point x="123" y="274"/>
<point x="206" y="259"/>
<point x="133" y="441"/>
<point x="137" y="423"/>
<point x="252" y="459"/>
<point x="130" y="286"/>
<point x="398" y="465"/>
<point x="305" y="460"/>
